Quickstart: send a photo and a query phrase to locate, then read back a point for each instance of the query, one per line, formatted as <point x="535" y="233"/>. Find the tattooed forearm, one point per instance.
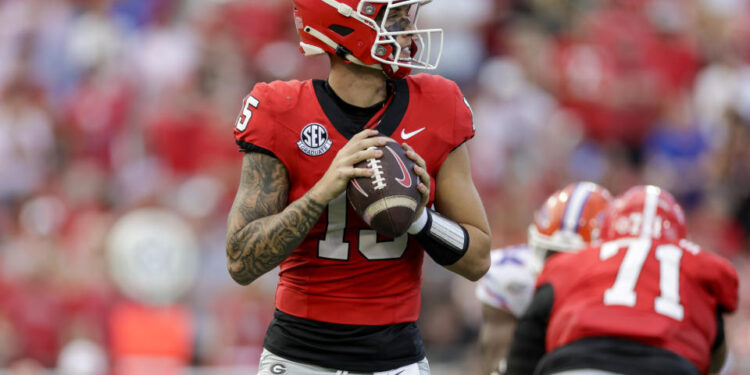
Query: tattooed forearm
<point x="261" y="232"/>
<point x="264" y="243"/>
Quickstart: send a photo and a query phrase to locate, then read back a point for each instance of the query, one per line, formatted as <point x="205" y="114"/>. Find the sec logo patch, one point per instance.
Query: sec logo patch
<point x="314" y="140"/>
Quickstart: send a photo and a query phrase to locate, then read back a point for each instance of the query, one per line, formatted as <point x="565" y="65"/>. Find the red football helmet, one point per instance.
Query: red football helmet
<point x="645" y="211"/>
<point x="356" y="31"/>
<point x="569" y="219"/>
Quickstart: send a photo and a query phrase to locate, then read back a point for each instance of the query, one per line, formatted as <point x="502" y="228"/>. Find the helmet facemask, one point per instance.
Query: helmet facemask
<point x="367" y="33"/>
<point x="398" y="19"/>
<point x="545" y="246"/>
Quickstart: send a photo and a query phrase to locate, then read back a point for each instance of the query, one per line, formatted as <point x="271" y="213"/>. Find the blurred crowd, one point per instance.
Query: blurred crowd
<point x="118" y="165"/>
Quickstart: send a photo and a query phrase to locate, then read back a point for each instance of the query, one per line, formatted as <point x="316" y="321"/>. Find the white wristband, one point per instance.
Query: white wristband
<point x="418" y="224"/>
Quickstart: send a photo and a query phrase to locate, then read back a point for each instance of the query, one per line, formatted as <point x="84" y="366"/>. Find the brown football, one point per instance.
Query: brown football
<point x="388" y="200"/>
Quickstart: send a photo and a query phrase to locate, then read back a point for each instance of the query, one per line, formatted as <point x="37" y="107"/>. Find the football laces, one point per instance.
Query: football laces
<point x="378" y="180"/>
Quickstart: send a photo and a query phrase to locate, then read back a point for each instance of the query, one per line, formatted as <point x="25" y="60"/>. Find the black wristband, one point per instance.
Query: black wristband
<point x="443" y="239"/>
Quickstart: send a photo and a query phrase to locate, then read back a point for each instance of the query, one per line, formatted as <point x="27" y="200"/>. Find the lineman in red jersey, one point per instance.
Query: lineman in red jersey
<point x="348" y="298"/>
<point x="568" y="220"/>
<point x="645" y="301"/>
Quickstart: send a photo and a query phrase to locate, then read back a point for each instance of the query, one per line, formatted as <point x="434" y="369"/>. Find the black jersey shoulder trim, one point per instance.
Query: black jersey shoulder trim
<point x="332" y="111"/>
<point x="397" y="109"/>
<point x="391" y="117"/>
<point x="247" y="147"/>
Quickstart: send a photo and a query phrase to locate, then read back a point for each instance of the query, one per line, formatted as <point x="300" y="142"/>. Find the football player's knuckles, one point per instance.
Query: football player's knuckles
<point x="361" y="154"/>
<point x="343" y="174"/>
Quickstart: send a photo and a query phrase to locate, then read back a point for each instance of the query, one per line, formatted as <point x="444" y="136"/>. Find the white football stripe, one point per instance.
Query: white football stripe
<point x="575" y="205"/>
<point x="649" y="210"/>
<point x="389" y="202"/>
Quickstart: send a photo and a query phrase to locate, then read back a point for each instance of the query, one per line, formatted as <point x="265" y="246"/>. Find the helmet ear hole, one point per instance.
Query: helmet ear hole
<point x="368" y="9"/>
<point x="381" y="51"/>
<point x="341" y="30"/>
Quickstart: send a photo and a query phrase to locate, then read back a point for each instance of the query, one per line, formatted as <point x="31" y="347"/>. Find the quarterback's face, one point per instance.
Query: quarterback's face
<point x="401" y="19"/>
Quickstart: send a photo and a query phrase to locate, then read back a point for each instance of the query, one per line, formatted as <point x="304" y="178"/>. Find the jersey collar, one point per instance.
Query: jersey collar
<point x="385" y="121"/>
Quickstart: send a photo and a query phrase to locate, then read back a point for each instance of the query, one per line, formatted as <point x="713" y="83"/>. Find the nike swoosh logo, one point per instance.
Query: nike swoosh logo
<point x="405" y="180"/>
<point x="405" y="135"/>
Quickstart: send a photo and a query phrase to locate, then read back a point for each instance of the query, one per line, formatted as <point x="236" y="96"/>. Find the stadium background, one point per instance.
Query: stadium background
<point x="110" y="107"/>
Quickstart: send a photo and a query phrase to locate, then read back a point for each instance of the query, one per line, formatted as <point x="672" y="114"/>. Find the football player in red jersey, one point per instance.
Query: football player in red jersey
<point x="645" y="301"/>
<point x="568" y="220"/>
<point x="348" y="298"/>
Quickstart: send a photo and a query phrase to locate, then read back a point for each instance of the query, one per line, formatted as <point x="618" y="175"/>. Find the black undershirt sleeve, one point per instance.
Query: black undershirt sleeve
<point x="529" y="339"/>
<point x="719" y="347"/>
<point x="719" y="330"/>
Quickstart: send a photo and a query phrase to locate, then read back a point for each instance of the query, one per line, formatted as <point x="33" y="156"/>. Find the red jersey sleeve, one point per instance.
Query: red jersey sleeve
<point x="464" y="120"/>
<point x="721" y="278"/>
<point x="256" y="121"/>
<point x="456" y="123"/>
<point x="554" y="269"/>
<point x="563" y="272"/>
<point x="443" y="96"/>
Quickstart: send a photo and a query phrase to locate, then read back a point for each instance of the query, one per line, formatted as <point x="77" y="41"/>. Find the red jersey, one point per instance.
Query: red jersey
<point x="344" y="272"/>
<point x="655" y="292"/>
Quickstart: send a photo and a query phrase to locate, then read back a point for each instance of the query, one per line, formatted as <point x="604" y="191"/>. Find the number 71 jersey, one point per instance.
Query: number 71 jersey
<point x="344" y="272"/>
<point x="655" y="292"/>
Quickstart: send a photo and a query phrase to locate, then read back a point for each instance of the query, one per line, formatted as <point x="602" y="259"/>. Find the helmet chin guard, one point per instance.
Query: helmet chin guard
<point x="420" y="54"/>
<point x="358" y="32"/>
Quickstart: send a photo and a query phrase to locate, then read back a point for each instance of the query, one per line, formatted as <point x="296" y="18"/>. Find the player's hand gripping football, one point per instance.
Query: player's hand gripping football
<point x="424" y="178"/>
<point x="341" y="170"/>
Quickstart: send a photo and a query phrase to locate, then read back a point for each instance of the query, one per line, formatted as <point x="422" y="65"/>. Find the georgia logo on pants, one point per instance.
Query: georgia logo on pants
<point x="278" y="368"/>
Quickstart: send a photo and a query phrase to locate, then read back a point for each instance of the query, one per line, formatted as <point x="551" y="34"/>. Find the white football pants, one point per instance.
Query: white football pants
<point x="271" y="364"/>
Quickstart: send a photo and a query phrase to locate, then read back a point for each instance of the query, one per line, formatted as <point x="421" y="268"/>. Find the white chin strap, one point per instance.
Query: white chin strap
<point x="311" y="50"/>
